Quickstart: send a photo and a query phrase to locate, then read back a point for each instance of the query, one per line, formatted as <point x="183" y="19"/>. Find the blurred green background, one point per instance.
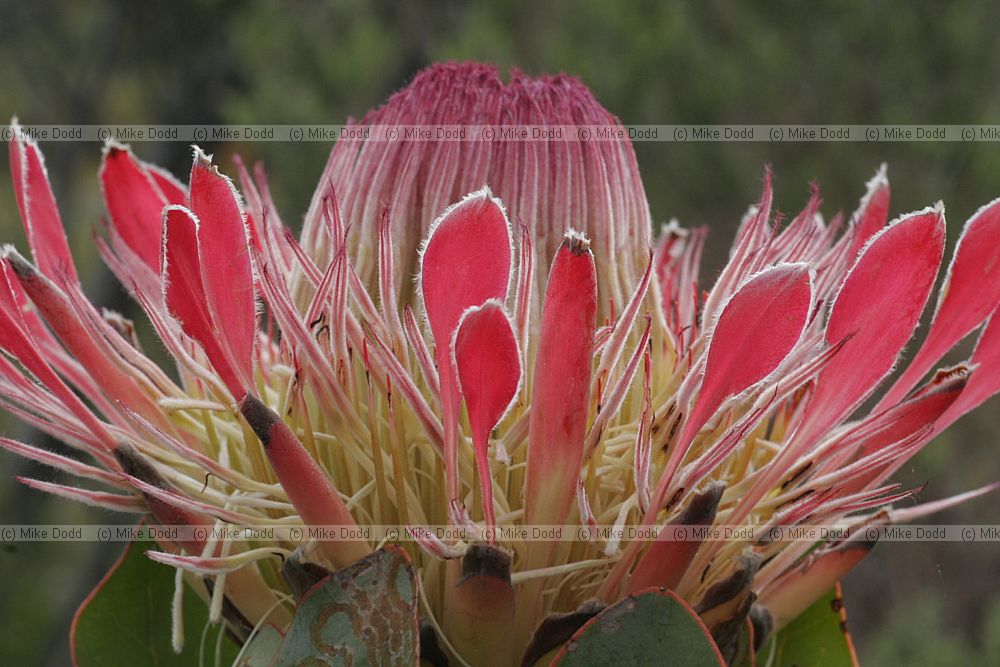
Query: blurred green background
<point x="706" y="62"/>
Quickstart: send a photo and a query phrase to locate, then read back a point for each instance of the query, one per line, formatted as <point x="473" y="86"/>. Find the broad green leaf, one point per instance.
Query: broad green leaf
<point x="126" y="620"/>
<point x="816" y="638"/>
<point x="262" y="649"/>
<point x="653" y="627"/>
<point x="363" y="614"/>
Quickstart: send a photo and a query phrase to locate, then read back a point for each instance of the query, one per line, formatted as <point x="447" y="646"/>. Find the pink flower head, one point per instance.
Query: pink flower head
<point x="317" y="384"/>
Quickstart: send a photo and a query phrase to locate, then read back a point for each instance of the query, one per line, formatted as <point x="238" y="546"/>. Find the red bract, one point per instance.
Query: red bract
<point x="969" y="293"/>
<point x="135" y="201"/>
<point x="755" y="333"/>
<point x="873" y="212"/>
<point x="37" y="204"/>
<point x="465" y="262"/>
<point x="561" y="392"/>
<point x="413" y="368"/>
<point x="875" y="313"/>
<point x="489" y="372"/>
<point x="226" y="272"/>
<point x="207" y="276"/>
<point x="985" y="381"/>
<point x="184" y="292"/>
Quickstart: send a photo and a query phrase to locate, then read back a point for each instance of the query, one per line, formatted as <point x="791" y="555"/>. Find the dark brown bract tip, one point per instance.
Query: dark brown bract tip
<point x="557" y="629"/>
<point x="576" y="243"/>
<point x="703" y="505"/>
<point x="763" y="624"/>
<point x="301" y="575"/>
<point x="736" y="583"/>
<point x="136" y="465"/>
<point x="482" y="560"/>
<point x="260" y="417"/>
<point x="22" y="267"/>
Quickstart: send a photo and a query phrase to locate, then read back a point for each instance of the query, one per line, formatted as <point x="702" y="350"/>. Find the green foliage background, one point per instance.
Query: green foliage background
<point x="196" y="61"/>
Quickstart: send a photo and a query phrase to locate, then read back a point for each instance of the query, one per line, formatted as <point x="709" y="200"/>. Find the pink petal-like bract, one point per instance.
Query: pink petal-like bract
<point x="792" y="594"/>
<point x="756" y="330"/>
<point x="985" y="379"/>
<point x="489" y="372"/>
<point x="918" y="412"/>
<point x="15" y="301"/>
<point x="135" y="201"/>
<point x="873" y="212"/>
<point x="561" y="392"/>
<point x="184" y="294"/>
<point x="37" y="204"/>
<point x="82" y="341"/>
<point x="308" y="487"/>
<point x="875" y="312"/>
<point x="172" y="189"/>
<point x="17" y="341"/>
<point x="970" y="293"/>
<point x="227" y="275"/>
<point x="465" y="262"/>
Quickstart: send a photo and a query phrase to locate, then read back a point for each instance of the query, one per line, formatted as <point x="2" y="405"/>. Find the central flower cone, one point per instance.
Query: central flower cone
<point x="476" y="333"/>
<point x="548" y="186"/>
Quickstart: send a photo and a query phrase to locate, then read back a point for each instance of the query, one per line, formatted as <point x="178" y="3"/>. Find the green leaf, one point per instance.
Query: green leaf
<point x="654" y="627"/>
<point x="816" y="638"/>
<point x="363" y="614"/>
<point x="262" y="649"/>
<point x="126" y="620"/>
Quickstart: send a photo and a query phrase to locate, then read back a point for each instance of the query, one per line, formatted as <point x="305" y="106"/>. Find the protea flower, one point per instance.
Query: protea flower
<point x="547" y="367"/>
